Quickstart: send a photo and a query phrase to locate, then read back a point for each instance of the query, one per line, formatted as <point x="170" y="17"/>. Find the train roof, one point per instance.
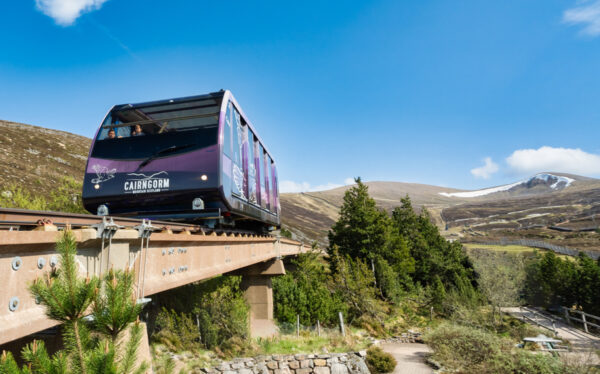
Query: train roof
<point x="223" y="95"/>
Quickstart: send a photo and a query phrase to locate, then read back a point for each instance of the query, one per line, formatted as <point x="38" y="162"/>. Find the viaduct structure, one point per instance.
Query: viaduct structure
<point x="164" y="256"/>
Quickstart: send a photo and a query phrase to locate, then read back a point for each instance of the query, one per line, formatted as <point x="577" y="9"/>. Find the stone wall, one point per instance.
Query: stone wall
<point x="330" y="363"/>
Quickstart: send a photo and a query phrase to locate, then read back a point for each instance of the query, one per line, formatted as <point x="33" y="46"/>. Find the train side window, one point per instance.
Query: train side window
<point x="276" y="188"/>
<point x="227" y="131"/>
<point x="261" y="176"/>
<point x="273" y="195"/>
<point x="267" y="183"/>
<point x="238" y="171"/>
<point x="251" y="167"/>
<point x="237" y="137"/>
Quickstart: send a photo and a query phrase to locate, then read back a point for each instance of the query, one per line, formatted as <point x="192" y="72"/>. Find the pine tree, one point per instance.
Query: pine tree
<point x="362" y="229"/>
<point x="90" y="347"/>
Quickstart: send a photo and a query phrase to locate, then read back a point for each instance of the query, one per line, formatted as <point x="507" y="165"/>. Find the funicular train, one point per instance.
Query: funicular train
<point x="192" y="159"/>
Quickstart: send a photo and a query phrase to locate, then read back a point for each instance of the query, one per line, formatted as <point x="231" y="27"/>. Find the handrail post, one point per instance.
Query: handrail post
<point x="567" y="316"/>
<point x="584" y="322"/>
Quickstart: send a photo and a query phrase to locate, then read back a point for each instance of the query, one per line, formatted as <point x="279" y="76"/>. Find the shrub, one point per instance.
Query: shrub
<point x="303" y="291"/>
<point x="177" y="331"/>
<point x="470" y="350"/>
<point x="379" y="361"/>
<point x="65" y="197"/>
<point x="462" y="347"/>
<point x="207" y="313"/>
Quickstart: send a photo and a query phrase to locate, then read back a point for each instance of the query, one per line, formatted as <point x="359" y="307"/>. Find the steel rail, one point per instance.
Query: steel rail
<point x="26" y="217"/>
<point x="11" y="218"/>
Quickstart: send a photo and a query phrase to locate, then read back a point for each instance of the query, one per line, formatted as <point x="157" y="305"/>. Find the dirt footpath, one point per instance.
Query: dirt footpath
<point x="410" y="357"/>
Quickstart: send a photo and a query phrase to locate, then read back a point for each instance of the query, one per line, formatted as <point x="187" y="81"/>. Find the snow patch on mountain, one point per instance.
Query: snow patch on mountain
<point x="477" y="193"/>
<point x="542" y="176"/>
<point x="559" y="179"/>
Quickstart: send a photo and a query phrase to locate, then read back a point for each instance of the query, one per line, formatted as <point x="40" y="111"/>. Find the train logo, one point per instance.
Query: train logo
<point x="102" y="174"/>
<point x="142" y="183"/>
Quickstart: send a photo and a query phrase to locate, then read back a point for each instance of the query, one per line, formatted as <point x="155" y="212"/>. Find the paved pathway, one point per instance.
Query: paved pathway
<point x="410" y="357"/>
<point x="579" y="340"/>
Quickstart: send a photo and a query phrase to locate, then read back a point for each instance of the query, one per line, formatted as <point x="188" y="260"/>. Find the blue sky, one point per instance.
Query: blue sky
<point x="461" y="94"/>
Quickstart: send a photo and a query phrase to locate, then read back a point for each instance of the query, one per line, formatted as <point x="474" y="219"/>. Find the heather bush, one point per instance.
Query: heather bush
<point x="379" y="361"/>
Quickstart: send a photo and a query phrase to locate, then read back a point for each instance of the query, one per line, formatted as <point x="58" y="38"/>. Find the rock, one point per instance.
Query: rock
<point x="283" y="365"/>
<point x="319" y="362"/>
<point x="282" y="371"/>
<point x="311" y="356"/>
<point x="237" y="366"/>
<point x="300" y="357"/>
<point x="250" y="363"/>
<point x="272" y="365"/>
<point x="357" y="365"/>
<point x="246" y="371"/>
<point x="306" y="364"/>
<point x="304" y="371"/>
<point x="332" y="360"/>
<point x="261" y="369"/>
<point x="224" y="367"/>
<point x="362" y="353"/>
<point x="322" y="370"/>
<point x="294" y="364"/>
<point x="230" y="372"/>
<point x="339" y="369"/>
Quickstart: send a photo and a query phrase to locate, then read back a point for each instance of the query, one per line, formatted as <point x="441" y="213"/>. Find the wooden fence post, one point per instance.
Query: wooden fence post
<point x="584" y="322"/>
<point x="567" y="316"/>
<point x="318" y="328"/>
<point x="342" y="324"/>
<point x="297" y="324"/>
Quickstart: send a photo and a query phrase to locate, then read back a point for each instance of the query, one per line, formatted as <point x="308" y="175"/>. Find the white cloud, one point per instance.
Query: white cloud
<point x="587" y="15"/>
<point x="65" y="12"/>
<point x="291" y="186"/>
<point x="566" y="160"/>
<point x="489" y="167"/>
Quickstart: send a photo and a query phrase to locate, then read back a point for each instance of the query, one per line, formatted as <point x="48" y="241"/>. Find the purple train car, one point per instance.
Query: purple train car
<point x="188" y="159"/>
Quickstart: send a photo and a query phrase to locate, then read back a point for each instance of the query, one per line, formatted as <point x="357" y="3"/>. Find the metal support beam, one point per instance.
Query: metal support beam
<point x="165" y="262"/>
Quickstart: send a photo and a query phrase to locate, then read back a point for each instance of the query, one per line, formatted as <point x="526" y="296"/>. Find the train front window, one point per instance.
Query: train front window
<point x="134" y="132"/>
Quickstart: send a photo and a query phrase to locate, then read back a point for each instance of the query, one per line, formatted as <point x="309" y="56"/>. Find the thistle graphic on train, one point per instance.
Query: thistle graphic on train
<point x="192" y="159"/>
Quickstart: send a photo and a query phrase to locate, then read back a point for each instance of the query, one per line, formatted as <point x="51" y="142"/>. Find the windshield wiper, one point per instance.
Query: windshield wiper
<point x="161" y="152"/>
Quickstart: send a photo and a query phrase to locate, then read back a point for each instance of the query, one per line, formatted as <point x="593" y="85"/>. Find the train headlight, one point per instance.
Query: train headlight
<point x="197" y="204"/>
<point x="204" y="177"/>
<point x="96" y="186"/>
<point x="102" y="210"/>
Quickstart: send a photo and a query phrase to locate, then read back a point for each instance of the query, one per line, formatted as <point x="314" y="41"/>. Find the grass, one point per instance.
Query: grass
<point x="503" y="248"/>
<point x="291" y="344"/>
<point x="516" y="249"/>
<point x="306" y="343"/>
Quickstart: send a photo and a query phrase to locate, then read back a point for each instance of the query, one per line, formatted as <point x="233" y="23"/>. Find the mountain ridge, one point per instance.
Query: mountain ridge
<point x="36" y="159"/>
